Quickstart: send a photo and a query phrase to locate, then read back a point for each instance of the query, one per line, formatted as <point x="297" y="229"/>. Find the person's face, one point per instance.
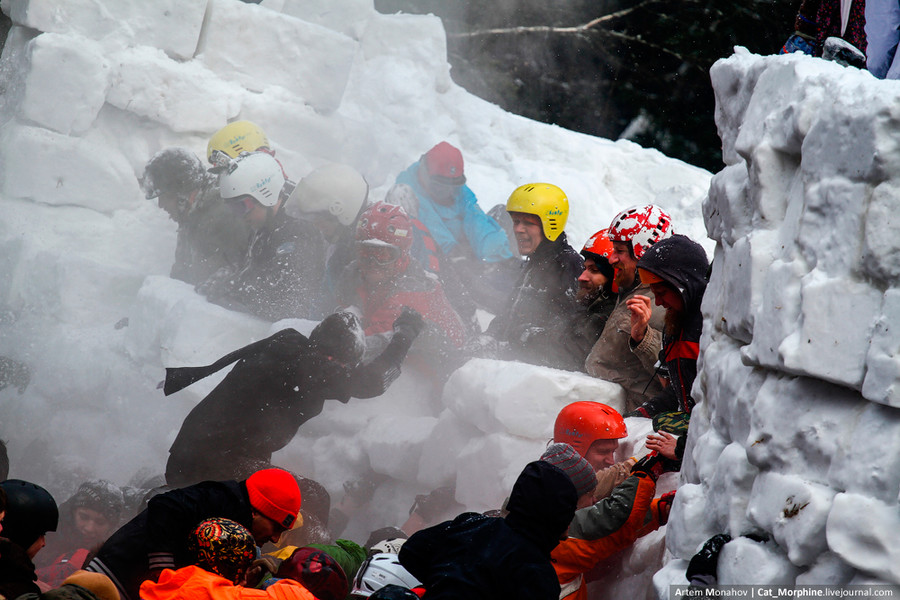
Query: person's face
<point x="93" y="526"/>
<point x="528" y="231"/>
<point x="174" y="204"/>
<point x="39" y="543"/>
<point x="263" y="529"/>
<point x="667" y="297"/>
<point x="252" y="211"/>
<point x="591" y="280"/>
<point x="601" y="454"/>
<point x="624" y="263"/>
<point x="443" y="193"/>
<point x="329" y="227"/>
<point x="378" y="264"/>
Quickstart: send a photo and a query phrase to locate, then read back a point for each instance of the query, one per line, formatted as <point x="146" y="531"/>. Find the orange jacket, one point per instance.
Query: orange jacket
<point x="574" y="557"/>
<point x="194" y="583"/>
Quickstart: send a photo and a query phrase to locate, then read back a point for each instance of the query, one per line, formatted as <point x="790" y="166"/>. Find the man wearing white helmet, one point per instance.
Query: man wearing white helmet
<point x="332" y="197"/>
<point x="282" y="272"/>
<point x="628" y="348"/>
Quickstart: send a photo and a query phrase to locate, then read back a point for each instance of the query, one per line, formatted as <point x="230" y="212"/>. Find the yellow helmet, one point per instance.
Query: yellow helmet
<point x="237" y="137"/>
<point x="546" y="201"/>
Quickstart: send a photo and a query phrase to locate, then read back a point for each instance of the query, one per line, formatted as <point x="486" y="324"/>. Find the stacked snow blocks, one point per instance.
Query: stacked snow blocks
<point x="796" y="432"/>
<point x="87" y="74"/>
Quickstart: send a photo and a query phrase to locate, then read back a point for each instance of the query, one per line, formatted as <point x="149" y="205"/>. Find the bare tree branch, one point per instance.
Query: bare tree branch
<point x="576" y="29"/>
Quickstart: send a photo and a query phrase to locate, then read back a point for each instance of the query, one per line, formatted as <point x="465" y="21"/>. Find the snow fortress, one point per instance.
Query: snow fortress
<point x="797" y="432"/>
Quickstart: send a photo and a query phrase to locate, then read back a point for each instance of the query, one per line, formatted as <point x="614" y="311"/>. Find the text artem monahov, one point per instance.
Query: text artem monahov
<point x="774" y="591"/>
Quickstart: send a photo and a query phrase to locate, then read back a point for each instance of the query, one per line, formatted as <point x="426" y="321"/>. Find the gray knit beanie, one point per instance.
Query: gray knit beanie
<point x="564" y="457"/>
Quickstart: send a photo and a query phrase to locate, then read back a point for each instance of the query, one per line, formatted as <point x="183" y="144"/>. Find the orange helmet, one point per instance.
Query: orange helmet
<point x="580" y="424"/>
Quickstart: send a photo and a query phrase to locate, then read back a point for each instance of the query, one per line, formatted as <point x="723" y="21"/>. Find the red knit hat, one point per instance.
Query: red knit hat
<point x="275" y="494"/>
<point x="445" y="164"/>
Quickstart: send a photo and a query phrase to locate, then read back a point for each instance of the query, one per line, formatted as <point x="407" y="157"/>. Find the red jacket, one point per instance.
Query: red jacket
<point x="194" y="583"/>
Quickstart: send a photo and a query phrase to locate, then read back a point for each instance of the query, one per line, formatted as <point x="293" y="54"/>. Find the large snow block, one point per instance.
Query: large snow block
<point x="308" y="60"/>
<point x="794" y="511"/>
<point x="863" y="532"/>
<point x="881" y="251"/>
<point x="488" y="467"/>
<point x="798" y="426"/>
<point x="745" y="562"/>
<point x="730" y="486"/>
<point x="689" y="523"/>
<point x="777" y="313"/>
<point x="832" y="339"/>
<point x="870" y="461"/>
<point x="498" y="396"/>
<point x="831" y="223"/>
<point x="449" y="436"/>
<point x="346" y="16"/>
<point x="183" y="96"/>
<point x="727" y="209"/>
<point x="394" y="444"/>
<point x="733" y="80"/>
<point x="65" y="86"/>
<point x="64" y="170"/>
<point x="171" y="25"/>
<point x="882" y="381"/>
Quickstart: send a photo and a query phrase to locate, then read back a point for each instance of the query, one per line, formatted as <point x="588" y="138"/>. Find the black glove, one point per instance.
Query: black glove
<point x="706" y="562"/>
<point x="218" y="282"/>
<point x="638" y="412"/>
<point x="430" y="506"/>
<point x="409" y="324"/>
<point x="652" y="465"/>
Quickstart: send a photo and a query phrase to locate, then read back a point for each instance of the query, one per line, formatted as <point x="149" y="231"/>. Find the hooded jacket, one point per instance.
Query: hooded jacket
<point x="493" y="558"/>
<point x="193" y="583"/>
<point x="681" y="263"/>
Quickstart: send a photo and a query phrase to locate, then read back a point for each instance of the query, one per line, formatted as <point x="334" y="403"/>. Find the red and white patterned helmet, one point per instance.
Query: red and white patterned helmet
<point x="643" y="226"/>
<point x="384" y="223"/>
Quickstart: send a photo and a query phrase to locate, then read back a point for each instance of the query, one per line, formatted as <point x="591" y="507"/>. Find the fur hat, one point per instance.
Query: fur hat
<point x="97" y="583"/>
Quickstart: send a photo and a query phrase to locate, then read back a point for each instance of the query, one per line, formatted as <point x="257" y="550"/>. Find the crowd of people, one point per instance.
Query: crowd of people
<point x="394" y="283"/>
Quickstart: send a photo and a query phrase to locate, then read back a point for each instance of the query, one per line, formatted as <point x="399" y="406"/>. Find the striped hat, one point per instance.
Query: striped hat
<point x="565" y="458"/>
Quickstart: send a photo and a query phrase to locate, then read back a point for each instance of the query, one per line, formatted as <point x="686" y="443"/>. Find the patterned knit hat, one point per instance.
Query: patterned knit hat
<point x="275" y="494"/>
<point x="223" y="547"/>
<point x="564" y="457"/>
<point x="100" y="495"/>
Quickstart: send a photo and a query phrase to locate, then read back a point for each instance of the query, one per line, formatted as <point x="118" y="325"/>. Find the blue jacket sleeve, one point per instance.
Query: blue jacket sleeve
<point x="882" y="38"/>
<point x="486" y="237"/>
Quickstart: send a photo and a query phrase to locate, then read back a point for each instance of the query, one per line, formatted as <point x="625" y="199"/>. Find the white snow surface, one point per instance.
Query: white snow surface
<point x="795" y="434"/>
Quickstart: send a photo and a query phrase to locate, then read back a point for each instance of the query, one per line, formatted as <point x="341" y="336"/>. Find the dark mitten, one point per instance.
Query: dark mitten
<point x="706" y="562"/>
<point x="409" y="324"/>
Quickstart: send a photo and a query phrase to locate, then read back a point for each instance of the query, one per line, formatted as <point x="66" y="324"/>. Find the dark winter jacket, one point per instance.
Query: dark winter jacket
<point x="545" y="292"/>
<point x="566" y="347"/>
<point x="17" y="575"/>
<point x="278" y="384"/>
<point x="211" y="237"/>
<point x="682" y="263"/>
<point x="157" y="538"/>
<point x="492" y="558"/>
<point x="821" y="19"/>
<point x="281" y="276"/>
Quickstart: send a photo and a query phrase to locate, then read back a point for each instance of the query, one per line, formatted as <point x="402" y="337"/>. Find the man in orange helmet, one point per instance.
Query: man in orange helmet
<point x="567" y="347"/>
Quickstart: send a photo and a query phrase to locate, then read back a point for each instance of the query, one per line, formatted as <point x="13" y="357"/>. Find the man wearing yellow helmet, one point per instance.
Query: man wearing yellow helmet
<point x="547" y="286"/>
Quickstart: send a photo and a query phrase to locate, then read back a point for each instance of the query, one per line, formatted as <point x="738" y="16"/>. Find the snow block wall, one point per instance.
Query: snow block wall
<point x="797" y="430"/>
<point x="93" y="88"/>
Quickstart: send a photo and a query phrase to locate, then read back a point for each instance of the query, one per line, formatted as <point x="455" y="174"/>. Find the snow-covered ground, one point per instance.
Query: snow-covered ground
<point x="798" y="357"/>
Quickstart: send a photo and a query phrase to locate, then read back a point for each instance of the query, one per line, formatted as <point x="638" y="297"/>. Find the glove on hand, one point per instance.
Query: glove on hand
<point x="430" y="506"/>
<point x="799" y="43"/>
<point x="652" y="465"/>
<point x="638" y="412"/>
<point x="664" y="506"/>
<point x="706" y="562"/>
<point x="409" y="324"/>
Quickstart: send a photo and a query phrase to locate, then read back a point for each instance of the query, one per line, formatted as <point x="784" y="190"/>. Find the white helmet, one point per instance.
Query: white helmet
<point x="334" y="188"/>
<point x="643" y="226"/>
<point x="378" y="571"/>
<point x="390" y="546"/>
<point x="255" y="174"/>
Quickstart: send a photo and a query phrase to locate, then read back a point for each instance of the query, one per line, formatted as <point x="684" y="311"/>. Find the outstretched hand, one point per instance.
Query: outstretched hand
<point x="641" y="308"/>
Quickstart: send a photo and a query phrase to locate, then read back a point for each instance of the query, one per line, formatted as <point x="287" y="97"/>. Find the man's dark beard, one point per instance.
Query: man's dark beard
<point x="674" y="321"/>
<point x="587" y="297"/>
